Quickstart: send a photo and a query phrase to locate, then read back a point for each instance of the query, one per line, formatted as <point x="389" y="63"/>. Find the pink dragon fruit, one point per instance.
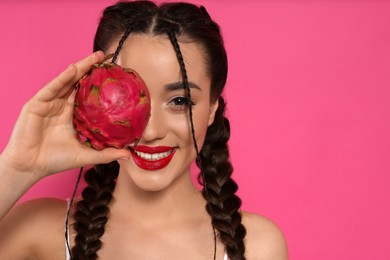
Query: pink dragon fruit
<point x="112" y="106"/>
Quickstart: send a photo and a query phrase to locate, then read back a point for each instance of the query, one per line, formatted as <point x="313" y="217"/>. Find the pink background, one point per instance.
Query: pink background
<point x="308" y="95"/>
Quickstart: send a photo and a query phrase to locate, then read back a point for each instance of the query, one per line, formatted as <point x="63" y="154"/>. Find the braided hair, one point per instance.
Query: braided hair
<point x="219" y="189"/>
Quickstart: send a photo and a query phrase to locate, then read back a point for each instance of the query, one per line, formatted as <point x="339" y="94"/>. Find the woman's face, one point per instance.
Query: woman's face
<point x="166" y="150"/>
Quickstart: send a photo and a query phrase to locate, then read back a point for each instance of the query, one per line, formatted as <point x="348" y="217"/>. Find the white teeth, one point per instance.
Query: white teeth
<point x="153" y="156"/>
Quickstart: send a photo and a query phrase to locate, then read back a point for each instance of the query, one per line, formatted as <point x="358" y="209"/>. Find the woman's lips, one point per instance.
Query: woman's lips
<point x="152" y="157"/>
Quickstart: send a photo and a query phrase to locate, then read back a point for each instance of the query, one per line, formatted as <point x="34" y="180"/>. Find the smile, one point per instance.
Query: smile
<point x="152" y="158"/>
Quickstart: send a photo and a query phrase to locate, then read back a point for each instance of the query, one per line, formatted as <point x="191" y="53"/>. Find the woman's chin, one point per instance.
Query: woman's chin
<point x="145" y="180"/>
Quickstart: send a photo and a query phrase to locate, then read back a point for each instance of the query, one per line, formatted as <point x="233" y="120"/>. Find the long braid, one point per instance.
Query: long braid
<point x="223" y="204"/>
<point x="176" y="46"/>
<point x="91" y="214"/>
<point x="218" y="187"/>
<point x="92" y="211"/>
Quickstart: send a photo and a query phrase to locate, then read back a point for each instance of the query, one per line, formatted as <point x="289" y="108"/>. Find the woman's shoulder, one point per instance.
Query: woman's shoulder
<point x="37" y="212"/>
<point x="264" y="239"/>
<point x="32" y="227"/>
<point x="51" y="204"/>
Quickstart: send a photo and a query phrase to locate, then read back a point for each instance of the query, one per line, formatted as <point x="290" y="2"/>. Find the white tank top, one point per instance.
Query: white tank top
<point x="67" y="241"/>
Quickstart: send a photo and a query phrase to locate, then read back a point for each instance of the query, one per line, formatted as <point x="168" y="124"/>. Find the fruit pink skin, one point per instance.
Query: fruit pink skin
<point x="112" y="106"/>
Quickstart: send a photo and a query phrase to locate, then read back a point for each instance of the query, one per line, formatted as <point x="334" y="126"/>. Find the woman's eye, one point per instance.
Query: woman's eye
<point x="180" y="103"/>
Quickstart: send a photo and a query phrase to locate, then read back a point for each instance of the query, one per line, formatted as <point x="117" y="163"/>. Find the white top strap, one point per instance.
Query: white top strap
<point x="225" y="257"/>
<point x="67" y="241"/>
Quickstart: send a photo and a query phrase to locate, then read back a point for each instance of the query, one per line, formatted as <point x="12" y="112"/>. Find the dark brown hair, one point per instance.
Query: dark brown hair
<point x="187" y="22"/>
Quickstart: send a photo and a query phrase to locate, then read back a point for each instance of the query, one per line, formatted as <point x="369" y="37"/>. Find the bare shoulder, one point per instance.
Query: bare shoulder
<point x="264" y="239"/>
<point x="32" y="227"/>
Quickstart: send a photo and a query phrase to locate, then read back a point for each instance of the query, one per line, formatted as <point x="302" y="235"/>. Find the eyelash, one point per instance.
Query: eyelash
<point x="180" y="103"/>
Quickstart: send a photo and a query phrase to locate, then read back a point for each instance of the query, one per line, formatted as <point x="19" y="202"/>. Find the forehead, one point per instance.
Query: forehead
<point x="155" y="59"/>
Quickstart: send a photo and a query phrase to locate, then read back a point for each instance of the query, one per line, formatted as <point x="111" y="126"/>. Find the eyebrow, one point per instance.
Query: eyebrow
<point x="179" y="86"/>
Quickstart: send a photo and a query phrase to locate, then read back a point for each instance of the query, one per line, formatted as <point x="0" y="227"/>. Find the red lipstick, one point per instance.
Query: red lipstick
<point x="152" y="157"/>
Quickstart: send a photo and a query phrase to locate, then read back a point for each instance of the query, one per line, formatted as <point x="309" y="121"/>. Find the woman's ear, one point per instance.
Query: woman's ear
<point x="213" y="109"/>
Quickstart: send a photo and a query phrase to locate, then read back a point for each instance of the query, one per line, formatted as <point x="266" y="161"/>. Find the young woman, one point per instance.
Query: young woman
<point x="130" y="208"/>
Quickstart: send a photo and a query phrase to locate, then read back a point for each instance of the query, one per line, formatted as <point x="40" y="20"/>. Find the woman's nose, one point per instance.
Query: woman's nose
<point x="155" y="128"/>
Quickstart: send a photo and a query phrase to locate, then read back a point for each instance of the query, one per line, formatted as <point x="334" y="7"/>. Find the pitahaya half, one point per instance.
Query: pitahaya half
<point x="112" y="106"/>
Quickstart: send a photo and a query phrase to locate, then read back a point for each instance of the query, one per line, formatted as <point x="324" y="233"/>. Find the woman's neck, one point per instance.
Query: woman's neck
<point x="179" y="201"/>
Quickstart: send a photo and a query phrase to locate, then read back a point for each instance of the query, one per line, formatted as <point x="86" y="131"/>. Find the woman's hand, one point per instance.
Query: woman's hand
<point x="44" y="141"/>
